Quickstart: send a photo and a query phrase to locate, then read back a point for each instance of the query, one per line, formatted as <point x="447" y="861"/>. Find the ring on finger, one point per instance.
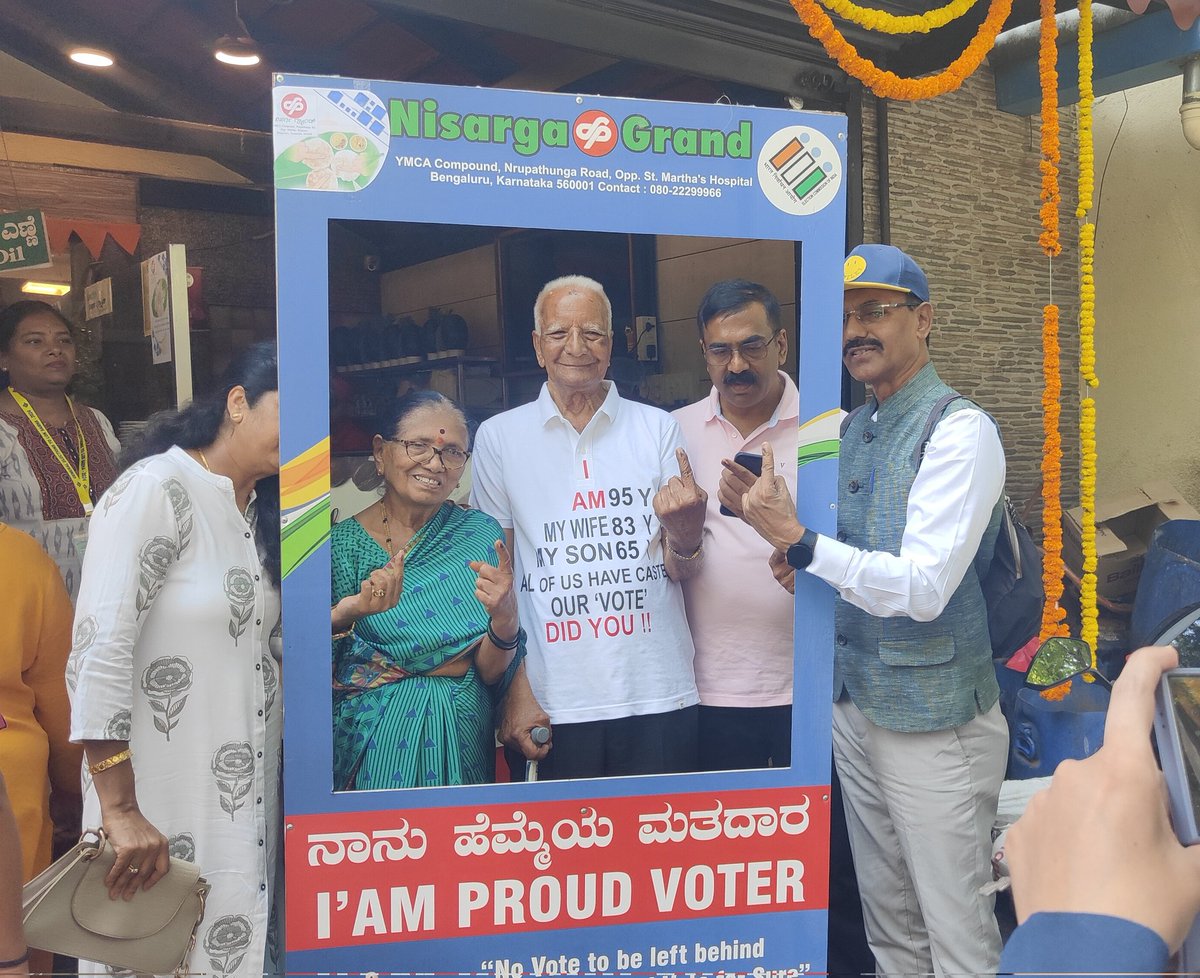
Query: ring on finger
<point x="133" y="871"/>
<point x="379" y="592"/>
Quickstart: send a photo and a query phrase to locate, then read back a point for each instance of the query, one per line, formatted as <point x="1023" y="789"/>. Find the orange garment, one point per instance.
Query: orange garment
<point x="35" y="641"/>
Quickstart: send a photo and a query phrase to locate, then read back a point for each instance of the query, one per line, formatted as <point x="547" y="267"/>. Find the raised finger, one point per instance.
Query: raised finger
<point x="1131" y="710"/>
<point x="685" y="468"/>
<point x="503" y="557"/>
<point x="768" y="462"/>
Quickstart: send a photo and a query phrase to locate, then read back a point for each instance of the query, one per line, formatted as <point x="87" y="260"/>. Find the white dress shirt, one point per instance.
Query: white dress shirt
<point x="951" y="501"/>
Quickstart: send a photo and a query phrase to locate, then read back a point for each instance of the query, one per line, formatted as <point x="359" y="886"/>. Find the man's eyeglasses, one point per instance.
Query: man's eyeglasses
<point x="871" y="313"/>
<point x="419" y="451"/>
<point x="754" y="349"/>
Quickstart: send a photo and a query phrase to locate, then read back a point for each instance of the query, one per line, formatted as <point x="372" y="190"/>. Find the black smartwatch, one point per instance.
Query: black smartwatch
<point x="800" y="553"/>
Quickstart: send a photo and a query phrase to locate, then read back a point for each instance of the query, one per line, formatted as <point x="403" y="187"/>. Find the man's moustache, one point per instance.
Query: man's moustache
<point x="743" y="378"/>
<point x="857" y="344"/>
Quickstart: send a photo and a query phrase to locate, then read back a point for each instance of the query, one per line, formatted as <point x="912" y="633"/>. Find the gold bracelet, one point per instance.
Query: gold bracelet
<point x="104" y="765"/>
<point x="347" y="633"/>
<point x="692" y="556"/>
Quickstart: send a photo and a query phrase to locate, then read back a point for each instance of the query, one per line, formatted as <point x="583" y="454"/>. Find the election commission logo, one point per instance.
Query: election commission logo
<point x="595" y="133"/>
<point x="799" y="170"/>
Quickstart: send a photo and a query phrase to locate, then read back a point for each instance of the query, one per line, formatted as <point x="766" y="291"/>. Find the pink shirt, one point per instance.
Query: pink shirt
<point x="740" y="617"/>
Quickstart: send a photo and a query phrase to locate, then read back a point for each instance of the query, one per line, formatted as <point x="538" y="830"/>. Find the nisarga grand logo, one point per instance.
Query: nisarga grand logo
<point x="594" y="132"/>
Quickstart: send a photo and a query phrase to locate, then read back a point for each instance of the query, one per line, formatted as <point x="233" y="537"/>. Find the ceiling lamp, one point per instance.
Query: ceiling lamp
<point x="91" y="57"/>
<point x="237" y="48"/>
<point x="46" y="288"/>
<point x="240" y="51"/>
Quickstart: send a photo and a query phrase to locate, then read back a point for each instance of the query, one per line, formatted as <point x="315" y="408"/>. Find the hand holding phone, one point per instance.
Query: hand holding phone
<point x="1098" y="839"/>
<point x="734" y="483"/>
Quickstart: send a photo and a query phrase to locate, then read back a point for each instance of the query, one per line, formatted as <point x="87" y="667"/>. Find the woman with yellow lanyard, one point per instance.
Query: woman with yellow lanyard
<point x="56" y="456"/>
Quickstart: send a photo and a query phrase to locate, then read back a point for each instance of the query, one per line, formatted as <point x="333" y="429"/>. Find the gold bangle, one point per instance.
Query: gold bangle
<point x="347" y="633"/>
<point x="104" y="765"/>
<point x="692" y="556"/>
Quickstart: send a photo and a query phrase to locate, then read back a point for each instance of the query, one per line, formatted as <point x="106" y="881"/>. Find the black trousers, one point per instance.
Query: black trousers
<point x="657" y="743"/>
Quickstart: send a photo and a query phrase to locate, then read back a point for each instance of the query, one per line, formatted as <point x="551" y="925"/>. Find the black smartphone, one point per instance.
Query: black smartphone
<point x="747" y="460"/>
<point x="1177" y="724"/>
<point x="1177" y="731"/>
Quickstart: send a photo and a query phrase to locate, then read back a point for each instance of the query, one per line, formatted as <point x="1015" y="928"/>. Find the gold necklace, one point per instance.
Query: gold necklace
<point x="204" y="461"/>
<point x="387" y="533"/>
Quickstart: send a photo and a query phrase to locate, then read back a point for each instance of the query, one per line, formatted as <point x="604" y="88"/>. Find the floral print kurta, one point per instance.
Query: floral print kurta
<point x="173" y="652"/>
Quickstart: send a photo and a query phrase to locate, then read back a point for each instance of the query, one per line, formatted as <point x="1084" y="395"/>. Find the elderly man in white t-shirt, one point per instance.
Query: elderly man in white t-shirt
<point x="604" y="518"/>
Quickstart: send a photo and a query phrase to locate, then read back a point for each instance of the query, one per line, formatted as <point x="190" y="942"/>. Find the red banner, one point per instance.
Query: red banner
<point x="421" y="874"/>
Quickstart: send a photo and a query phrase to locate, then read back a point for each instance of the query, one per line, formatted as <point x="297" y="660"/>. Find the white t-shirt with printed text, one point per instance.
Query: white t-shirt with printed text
<point x="607" y="633"/>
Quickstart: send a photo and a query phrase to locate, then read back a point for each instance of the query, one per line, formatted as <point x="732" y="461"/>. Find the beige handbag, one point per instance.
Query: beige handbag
<point x="66" y="910"/>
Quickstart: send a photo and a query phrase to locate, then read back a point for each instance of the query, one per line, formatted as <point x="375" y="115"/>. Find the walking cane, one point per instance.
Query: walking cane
<point x="539" y="735"/>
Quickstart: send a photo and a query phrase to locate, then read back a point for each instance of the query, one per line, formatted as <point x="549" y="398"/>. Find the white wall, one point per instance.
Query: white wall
<point x="1147" y="292"/>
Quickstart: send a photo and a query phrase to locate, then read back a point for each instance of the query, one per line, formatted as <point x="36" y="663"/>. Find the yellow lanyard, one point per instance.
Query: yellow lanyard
<point x="80" y="476"/>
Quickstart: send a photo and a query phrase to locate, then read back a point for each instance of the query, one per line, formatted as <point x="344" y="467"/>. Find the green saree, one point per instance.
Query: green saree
<point x="392" y="726"/>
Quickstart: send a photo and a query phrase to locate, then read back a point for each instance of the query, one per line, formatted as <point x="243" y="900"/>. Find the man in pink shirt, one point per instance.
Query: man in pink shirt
<point x="739" y="615"/>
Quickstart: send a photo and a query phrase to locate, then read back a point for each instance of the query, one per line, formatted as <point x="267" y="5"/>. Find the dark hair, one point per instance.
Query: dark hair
<point x="733" y="295"/>
<point x="197" y="425"/>
<point x="17" y="313"/>
<point x="418" y="400"/>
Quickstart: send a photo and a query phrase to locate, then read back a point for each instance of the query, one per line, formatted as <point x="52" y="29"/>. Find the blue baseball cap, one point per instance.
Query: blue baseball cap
<point x="876" y="266"/>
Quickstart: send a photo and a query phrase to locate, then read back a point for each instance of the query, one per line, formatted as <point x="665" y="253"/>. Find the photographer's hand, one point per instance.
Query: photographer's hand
<point x="1099" y="839"/>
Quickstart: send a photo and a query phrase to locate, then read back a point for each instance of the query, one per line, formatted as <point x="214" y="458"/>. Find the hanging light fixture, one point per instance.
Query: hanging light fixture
<point x="239" y="48"/>
<point x="91" y="57"/>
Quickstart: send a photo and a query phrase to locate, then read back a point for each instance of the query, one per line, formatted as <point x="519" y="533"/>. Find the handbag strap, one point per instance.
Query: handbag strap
<point x="84" y="852"/>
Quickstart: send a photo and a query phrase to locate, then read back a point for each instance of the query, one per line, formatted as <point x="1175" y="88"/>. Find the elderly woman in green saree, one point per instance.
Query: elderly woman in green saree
<point x="426" y="634"/>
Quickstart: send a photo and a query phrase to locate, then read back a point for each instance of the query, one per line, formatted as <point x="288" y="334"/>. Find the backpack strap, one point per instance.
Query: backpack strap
<point x="850" y="417"/>
<point x="935" y="415"/>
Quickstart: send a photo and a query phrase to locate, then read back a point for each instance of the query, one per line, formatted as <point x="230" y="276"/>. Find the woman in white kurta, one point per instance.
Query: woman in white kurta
<point x="172" y="662"/>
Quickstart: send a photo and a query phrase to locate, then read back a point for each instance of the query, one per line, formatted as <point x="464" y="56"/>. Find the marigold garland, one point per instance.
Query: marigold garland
<point x="882" y="21"/>
<point x="887" y="84"/>
<point x="1053" y="569"/>
<point x="1088" y="604"/>
<point x="1087" y="304"/>
<point x="1090" y="612"/>
<point x="1057" y="692"/>
<point x="1048" y="74"/>
<point x="1087" y="96"/>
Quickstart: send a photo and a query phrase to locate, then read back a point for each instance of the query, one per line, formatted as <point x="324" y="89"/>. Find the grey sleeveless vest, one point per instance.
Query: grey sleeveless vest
<point x="906" y="675"/>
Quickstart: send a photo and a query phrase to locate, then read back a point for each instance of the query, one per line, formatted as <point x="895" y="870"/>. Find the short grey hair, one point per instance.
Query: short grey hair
<point x="580" y="283"/>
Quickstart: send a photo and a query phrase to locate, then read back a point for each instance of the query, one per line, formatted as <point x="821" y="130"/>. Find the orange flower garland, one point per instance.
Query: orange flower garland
<point x="1048" y="74"/>
<point x="1053" y="570"/>
<point x="1089" y="609"/>
<point x="887" y="84"/>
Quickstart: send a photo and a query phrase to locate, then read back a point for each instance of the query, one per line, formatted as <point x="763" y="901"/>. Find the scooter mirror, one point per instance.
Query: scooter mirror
<point x="1057" y="660"/>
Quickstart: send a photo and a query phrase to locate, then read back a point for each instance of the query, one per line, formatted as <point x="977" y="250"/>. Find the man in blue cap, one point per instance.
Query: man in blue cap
<point x="918" y="736"/>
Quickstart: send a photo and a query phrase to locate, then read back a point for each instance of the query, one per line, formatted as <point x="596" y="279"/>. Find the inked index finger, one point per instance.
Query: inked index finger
<point x="1131" y="710"/>
<point x="685" y="468"/>
<point x="768" y="462"/>
<point x="503" y="557"/>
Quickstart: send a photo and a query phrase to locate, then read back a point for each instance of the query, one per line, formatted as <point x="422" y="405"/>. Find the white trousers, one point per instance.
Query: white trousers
<point x="919" y="811"/>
